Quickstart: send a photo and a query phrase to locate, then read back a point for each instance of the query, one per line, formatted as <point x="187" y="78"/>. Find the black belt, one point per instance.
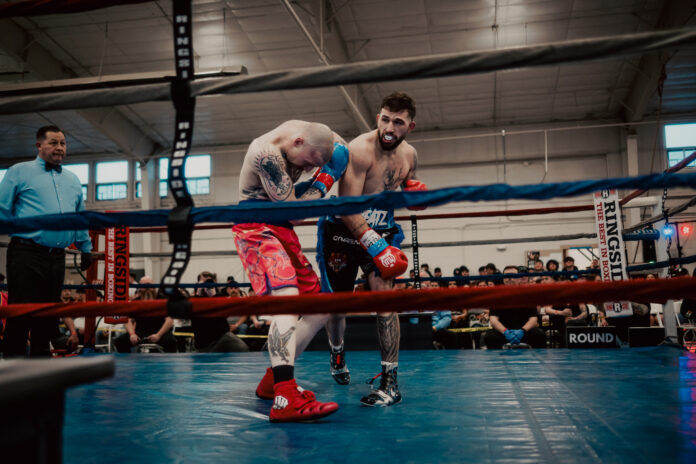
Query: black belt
<point x="33" y="244"/>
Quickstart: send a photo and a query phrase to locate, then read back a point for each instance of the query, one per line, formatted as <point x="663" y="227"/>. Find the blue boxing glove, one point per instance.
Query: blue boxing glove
<point x="510" y="336"/>
<point x="518" y="335"/>
<point x="325" y="177"/>
<point x="302" y="187"/>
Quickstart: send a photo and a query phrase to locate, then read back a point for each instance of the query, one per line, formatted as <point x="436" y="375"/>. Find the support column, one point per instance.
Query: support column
<point x="149" y="176"/>
<point x="632" y="215"/>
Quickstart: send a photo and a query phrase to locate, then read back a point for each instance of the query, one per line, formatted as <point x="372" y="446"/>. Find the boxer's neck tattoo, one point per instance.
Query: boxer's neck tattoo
<point x="278" y="342"/>
<point x="271" y="167"/>
<point x="388" y="334"/>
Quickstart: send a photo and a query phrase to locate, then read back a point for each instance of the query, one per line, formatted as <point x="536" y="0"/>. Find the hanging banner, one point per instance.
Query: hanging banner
<point x="612" y="258"/>
<point x="117" y="269"/>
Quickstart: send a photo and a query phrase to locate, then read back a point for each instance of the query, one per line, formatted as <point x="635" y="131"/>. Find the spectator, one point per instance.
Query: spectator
<point x="538" y="266"/>
<point x="514" y="326"/>
<point x="133" y="279"/>
<point x="426" y="268"/>
<point x="238" y="324"/>
<point x="156" y="330"/>
<point x="259" y="326"/>
<point x="594" y="264"/>
<point x="569" y="266"/>
<point x="213" y="334"/>
<point x="552" y="266"/>
<point x="439" y="281"/>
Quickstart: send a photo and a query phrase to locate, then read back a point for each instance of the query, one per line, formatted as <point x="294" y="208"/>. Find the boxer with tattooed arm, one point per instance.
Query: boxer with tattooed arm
<point x="271" y="252"/>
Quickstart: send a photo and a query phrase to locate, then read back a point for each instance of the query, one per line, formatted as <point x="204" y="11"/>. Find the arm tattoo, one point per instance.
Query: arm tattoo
<point x="312" y="193"/>
<point x="258" y="193"/>
<point x="278" y="342"/>
<point x="271" y="167"/>
<point x="388" y="335"/>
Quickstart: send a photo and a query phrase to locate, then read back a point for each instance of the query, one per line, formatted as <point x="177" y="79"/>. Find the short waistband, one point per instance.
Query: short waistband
<point x="33" y="244"/>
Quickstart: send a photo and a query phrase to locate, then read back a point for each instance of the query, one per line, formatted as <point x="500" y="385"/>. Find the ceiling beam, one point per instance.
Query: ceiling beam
<point x="675" y="14"/>
<point x="22" y="46"/>
<point x="332" y="50"/>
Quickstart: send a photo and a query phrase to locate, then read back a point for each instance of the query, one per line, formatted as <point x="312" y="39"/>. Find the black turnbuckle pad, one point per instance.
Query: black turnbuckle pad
<point x="180" y="224"/>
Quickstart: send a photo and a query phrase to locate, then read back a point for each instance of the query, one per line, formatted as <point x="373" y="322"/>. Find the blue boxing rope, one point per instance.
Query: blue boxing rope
<point x="283" y="211"/>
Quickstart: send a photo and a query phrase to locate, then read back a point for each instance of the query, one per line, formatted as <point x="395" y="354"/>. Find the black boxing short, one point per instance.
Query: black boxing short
<point x="340" y="255"/>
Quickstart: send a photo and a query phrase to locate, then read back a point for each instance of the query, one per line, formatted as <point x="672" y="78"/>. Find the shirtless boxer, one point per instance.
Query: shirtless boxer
<point x="271" y="252"/>
<point x="379" y="160"/>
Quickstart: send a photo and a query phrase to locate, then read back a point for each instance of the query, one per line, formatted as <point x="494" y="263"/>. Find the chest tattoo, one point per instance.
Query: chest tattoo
<point x="392" y="179"/>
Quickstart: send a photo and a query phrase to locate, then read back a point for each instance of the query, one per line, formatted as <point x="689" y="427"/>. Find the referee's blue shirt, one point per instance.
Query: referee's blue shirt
<point x="29" y="190"/>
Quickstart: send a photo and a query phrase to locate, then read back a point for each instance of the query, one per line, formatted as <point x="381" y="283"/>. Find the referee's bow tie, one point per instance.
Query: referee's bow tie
<point x="56" y="167"/>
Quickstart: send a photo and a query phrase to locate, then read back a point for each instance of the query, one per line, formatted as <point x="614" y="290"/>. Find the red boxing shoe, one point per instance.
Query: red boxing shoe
<point x="292" y="404"/>
<point x="265" y="388"/>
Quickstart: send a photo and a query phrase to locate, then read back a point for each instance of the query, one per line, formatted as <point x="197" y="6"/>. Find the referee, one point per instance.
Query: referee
<point x="36" y="260"/>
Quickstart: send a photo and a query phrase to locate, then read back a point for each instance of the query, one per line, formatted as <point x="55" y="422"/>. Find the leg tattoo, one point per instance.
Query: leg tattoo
<point x="388" y="334"/>
<point x="278" y="343"/>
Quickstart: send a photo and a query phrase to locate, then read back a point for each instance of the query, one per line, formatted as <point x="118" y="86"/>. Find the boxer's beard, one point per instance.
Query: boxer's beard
<point x="389" y="146"/>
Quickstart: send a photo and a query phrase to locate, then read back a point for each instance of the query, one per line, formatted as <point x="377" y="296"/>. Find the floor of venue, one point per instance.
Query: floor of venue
<point x="632" y="405"/>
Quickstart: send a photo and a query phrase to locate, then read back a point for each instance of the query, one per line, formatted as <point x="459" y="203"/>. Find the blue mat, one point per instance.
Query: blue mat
<point x="523" y="406"/>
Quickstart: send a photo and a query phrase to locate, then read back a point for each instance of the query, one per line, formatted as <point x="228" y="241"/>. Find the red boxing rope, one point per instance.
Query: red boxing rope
<point x="501" y="297"/>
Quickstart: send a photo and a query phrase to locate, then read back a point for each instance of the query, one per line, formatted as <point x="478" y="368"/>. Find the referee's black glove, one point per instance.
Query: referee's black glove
<point x="85" y="261"/>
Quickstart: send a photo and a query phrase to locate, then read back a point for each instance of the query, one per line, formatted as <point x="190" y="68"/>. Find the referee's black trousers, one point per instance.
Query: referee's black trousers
<point x="35" y="274"/>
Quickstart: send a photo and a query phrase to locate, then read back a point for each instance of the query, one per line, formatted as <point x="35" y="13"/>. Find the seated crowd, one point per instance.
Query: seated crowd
<point x="538" y="326"/>
<point x="533" y="326"/>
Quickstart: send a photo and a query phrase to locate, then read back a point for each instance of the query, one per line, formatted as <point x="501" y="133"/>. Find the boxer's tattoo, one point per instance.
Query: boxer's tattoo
<point x="312" y="193"/>
<point x="388" y="334"/>
<point x="258" y="193"/>
<point x="272" y="170"/>
<point x="278" y="342"/>
<point x="391" y="178"/>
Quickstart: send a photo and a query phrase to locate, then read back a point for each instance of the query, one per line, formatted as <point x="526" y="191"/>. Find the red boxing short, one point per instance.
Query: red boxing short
<point x="273" y="259"/>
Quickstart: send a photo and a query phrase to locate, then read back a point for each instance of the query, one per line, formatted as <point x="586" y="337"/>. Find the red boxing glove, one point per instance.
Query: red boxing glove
<point x="390" y="261"/>
<point x="414" y="185"/>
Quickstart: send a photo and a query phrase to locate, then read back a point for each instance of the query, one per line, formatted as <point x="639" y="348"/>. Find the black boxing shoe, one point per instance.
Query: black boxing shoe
<point x="387" y="394"/>
<point x="339" y="371"/>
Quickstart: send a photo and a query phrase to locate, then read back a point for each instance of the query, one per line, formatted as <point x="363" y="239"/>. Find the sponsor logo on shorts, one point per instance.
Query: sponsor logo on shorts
<point x="342" y="239"/>
<point x="337" y="261"/>
<point x="377" y="218"/>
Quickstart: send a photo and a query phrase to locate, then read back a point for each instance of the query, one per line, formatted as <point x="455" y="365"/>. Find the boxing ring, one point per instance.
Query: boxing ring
<point x="522" y="406"/>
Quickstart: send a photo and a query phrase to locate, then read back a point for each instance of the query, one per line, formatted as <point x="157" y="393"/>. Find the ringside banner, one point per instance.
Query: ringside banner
<point x="117" y="269"/>
<point x="612" y="257"/>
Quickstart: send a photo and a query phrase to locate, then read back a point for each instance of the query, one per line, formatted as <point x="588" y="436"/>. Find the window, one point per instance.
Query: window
<point x="197" y="171"/>
<point x="680" y="141"/>
<point x="2" y="174"/>
<point x="112" y="180"/>
<point x="82" y="172"/>
<point x="163" y="175"/>
<point x="198" y="174"/>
